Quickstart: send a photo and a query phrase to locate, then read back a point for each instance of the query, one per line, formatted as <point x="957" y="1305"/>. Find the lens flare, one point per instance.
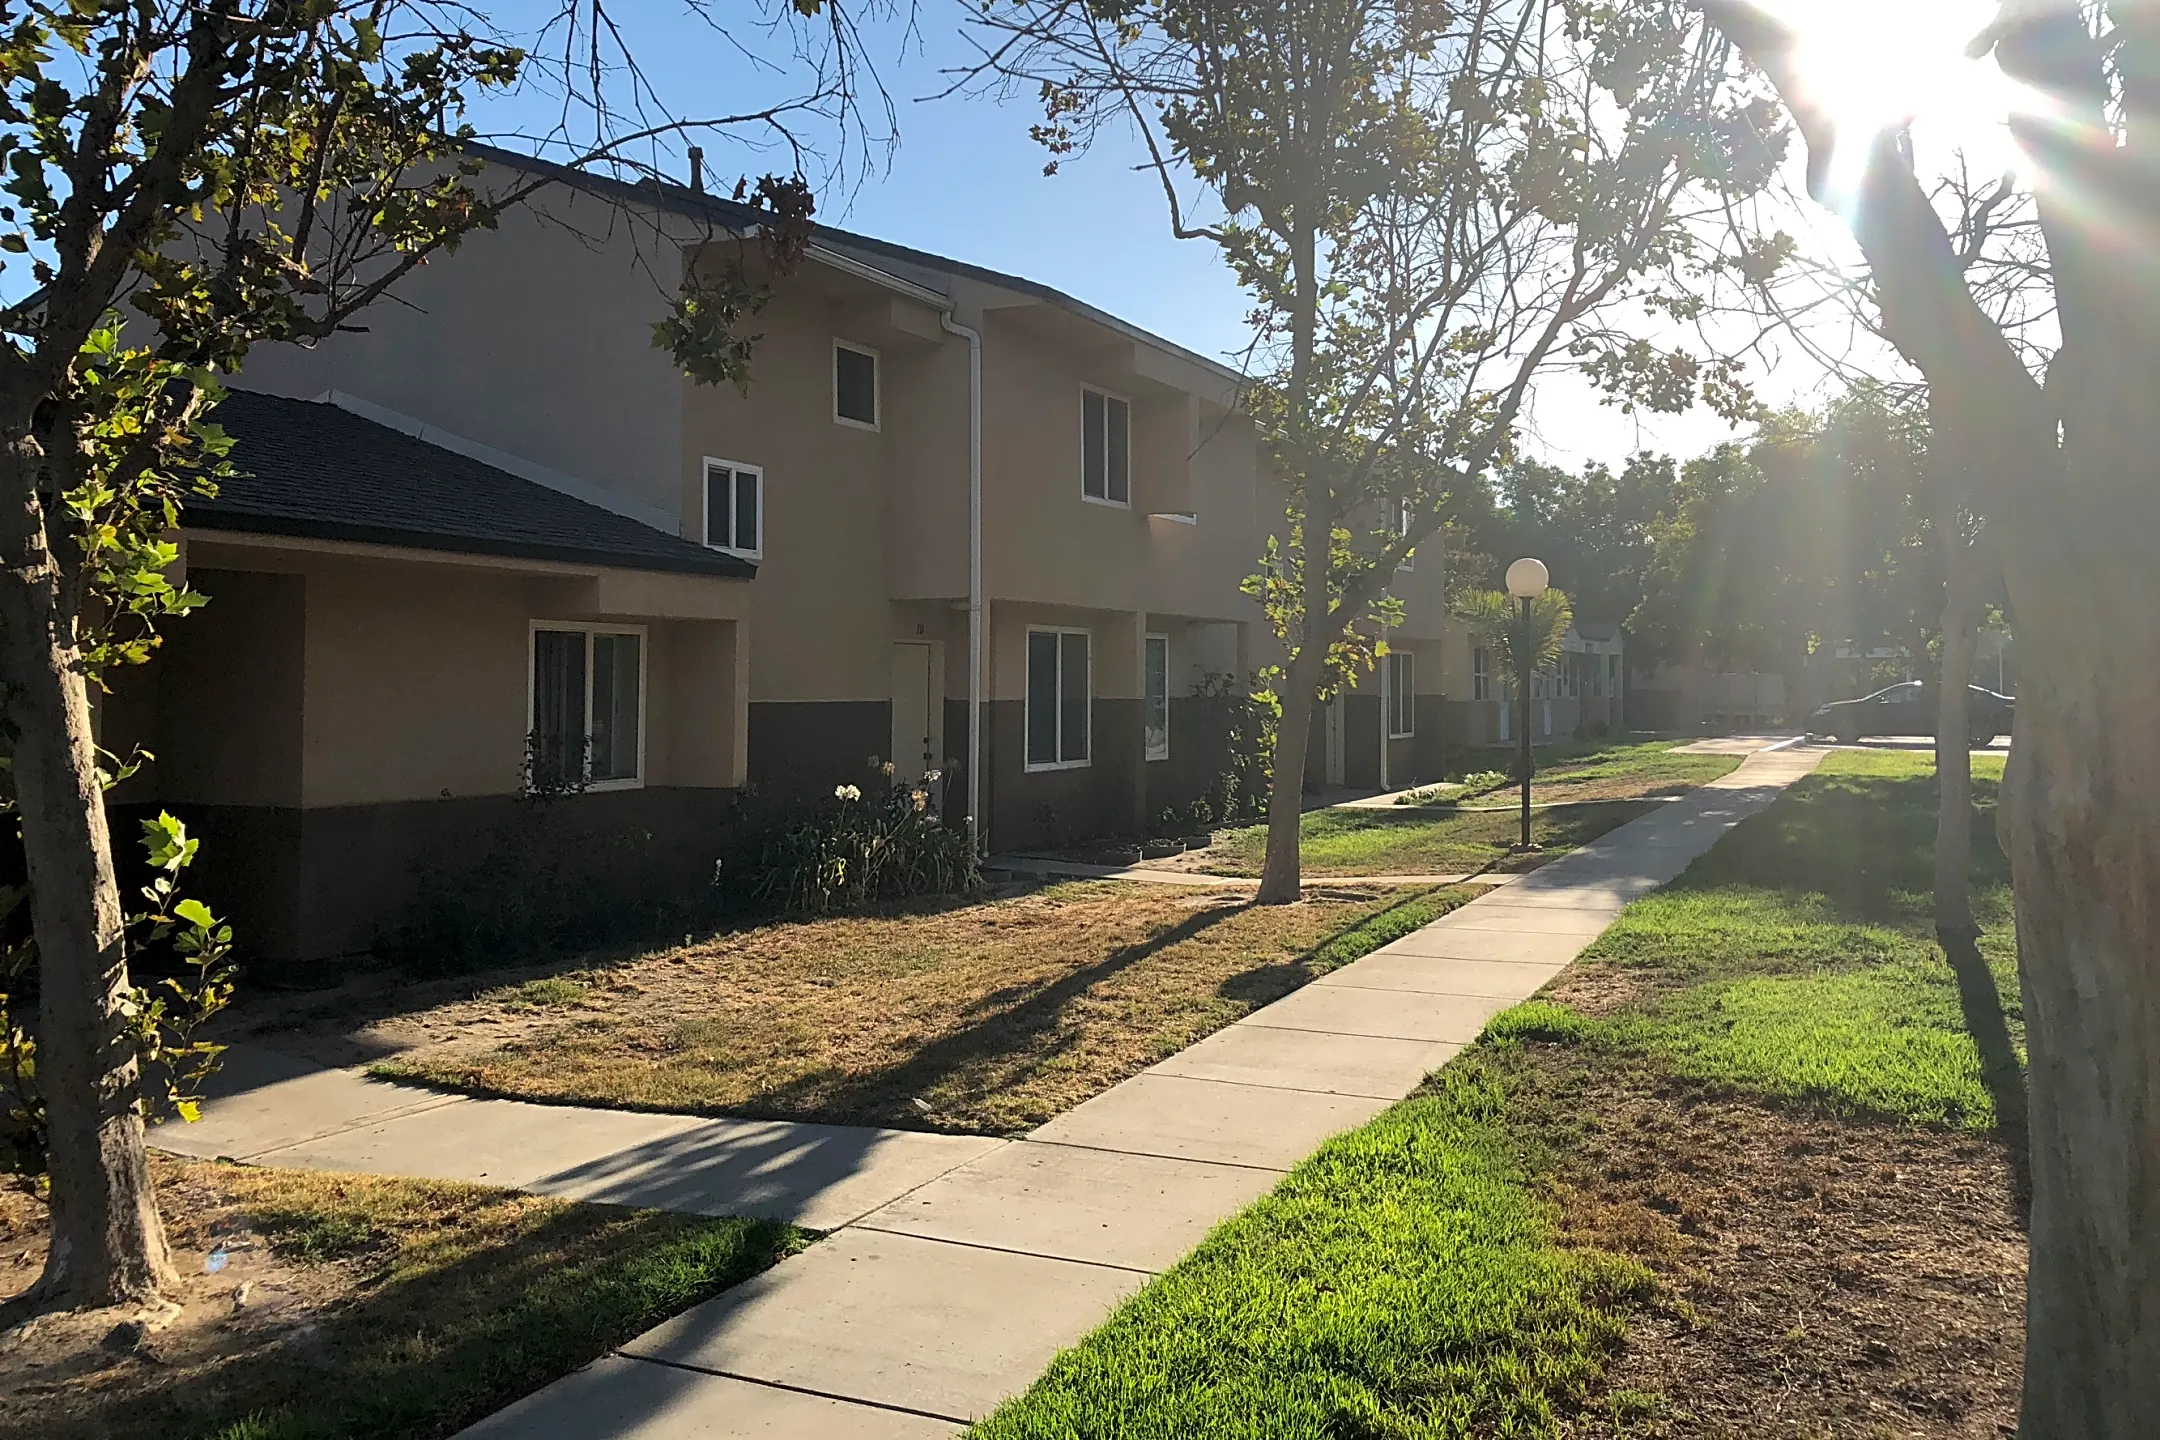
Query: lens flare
<point x="1874" y="65"/>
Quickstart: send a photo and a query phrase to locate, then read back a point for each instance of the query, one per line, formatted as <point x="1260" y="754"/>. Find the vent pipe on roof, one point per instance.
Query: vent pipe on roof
<point x="697" y="168"/>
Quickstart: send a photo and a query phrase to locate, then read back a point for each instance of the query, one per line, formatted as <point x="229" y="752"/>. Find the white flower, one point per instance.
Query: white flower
<point x="931" y="777"/>
<point x="846" y="792"/>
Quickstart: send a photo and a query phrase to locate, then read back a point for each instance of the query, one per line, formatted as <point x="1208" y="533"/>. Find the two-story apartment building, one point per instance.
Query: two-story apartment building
<point x="495" y="540"/>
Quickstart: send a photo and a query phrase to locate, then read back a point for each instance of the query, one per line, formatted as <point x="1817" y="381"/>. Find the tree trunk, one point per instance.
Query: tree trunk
<point x="2084" y="837"/>
<point x="108" y="1245"/>
<point x="1953" y="757"/>
<point x="1282" y="875"/>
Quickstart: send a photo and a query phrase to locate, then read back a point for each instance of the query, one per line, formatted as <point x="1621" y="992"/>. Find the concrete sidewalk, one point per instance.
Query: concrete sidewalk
<point x="927" y="1311"/>
<point x="272" y="1110"/>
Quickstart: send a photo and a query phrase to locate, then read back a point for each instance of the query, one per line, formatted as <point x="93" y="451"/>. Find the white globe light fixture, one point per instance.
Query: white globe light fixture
<point x="1527" y="578"/>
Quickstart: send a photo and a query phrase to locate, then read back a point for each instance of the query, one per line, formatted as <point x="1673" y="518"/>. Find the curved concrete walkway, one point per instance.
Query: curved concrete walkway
<point x="959" y="1267"/>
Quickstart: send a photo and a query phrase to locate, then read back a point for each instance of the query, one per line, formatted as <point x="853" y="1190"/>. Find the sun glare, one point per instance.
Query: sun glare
<point x="1878" y="63"/>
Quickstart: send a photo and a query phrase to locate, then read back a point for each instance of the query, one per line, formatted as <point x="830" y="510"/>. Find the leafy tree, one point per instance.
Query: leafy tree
<point x="2064" y="466"/>
<point x="233" y="172"/>
<point x="1592" y="528"/>
<point x="1429" y="204"/>
<point x="1813" y="536"/>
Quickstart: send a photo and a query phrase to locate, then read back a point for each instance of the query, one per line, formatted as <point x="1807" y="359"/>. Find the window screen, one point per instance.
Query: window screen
<point x="1042" y="688"/>
<point x="1057" y="697"/>
<point x="1402" y="694"/>
<point x="734" y="508"/>
<point x="557" y="742"/>
<point x="615" y="707"/>
<point x="855" y="382"/>
<point x="1072" y="697"/>
<point x="1105" y="447"/>
<point x="749" y="521"/>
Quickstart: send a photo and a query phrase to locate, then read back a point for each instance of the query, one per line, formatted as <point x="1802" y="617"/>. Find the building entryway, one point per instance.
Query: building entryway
<point x="917" y="717"/>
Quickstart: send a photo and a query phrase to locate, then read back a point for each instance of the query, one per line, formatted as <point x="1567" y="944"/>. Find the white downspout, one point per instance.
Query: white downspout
<point x="975" y="576"/>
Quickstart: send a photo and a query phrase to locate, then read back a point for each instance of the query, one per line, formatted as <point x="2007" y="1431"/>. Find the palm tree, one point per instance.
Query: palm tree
<point x="1523" y="645"/>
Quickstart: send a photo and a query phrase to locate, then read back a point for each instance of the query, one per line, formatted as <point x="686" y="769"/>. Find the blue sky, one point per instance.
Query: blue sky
<point x="966" y="181"/>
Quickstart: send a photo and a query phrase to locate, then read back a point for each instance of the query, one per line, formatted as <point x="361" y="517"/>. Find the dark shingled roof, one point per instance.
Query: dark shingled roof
<point x="321" y="473"/>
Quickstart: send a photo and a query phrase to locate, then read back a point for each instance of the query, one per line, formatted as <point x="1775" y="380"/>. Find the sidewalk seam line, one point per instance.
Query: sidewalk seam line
<point x="791" y="1389"/>
<point x="440" y="1103"/>
<point x="857" y="1219"/>
<point x="1287" y="1089"/>
<point x="1004" y="1249"/>
<point x="1162" y="1155"/>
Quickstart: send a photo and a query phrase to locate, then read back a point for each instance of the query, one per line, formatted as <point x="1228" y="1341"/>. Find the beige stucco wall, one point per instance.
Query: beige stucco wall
<point x="226" y="690"/>
<point x="821" y="603"/>
<point x="362" y="680"/>
<point x="534" y="338"/>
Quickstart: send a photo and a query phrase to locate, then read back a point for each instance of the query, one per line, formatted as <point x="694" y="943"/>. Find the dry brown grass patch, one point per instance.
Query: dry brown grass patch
<point x="989" y="1017"/>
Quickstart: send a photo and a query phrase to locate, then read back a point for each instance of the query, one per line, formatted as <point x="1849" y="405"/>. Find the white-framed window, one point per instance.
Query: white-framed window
<point x="734" y="518"/>
<point x="1105" y="448"/>
<point x="1401" y="695"/>
<point x="1059" y="688"/>
<point x="1402" y="527"/>
<point x="1480" y="673"/>
<point x="855" y="389"/>
<point x="585" y="703"/>
<point x="1155" y="706"/>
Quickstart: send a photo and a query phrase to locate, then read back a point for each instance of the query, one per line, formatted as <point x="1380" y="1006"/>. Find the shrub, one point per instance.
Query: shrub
<point x="859" y="850"/>
<point x="540" y="883"/>
<point x="1249" y="718"/>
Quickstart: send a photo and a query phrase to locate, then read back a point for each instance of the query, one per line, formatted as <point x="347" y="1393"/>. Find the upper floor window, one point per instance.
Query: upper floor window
<point x="1402" y="527"/>
<point x="1481" y="673"/>
<point x="855" y="385"/>
<point x="1059" y="688"/>
<point x="735" y="508"/>
<point x="1155" y="708"/>
<point x="1105" y="448"/>
<point x="588" y="706"/>
<point x="1401" y="695"/>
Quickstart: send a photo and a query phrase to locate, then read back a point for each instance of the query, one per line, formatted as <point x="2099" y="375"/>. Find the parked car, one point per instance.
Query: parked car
<point x="1910" y="709"/>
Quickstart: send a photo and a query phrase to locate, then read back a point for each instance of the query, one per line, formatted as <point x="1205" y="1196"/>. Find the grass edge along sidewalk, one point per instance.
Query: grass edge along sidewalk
<point x="370" y="1306"/>
<point x="1415" y="1276"/>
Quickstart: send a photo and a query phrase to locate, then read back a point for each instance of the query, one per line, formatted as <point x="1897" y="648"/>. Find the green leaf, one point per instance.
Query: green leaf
<point x="195" y="913"/>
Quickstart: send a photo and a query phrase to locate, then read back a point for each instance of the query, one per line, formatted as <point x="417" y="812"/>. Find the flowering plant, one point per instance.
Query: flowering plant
<point x="866" y="850"/>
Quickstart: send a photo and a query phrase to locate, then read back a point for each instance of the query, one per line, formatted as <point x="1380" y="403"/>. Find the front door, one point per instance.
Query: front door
<point x="1335" y="763"/>
<point x="914" y="713"/>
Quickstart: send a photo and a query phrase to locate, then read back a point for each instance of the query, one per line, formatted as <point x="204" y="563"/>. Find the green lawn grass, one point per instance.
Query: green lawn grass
<point x="1402" y="1281"/>
<point x="1411" y="1278"/>
<point x="1591" y="788"/>
<point x="1798" y="957"/>
<point x="1417" y="840"/>
<point x="1574" y="769"/>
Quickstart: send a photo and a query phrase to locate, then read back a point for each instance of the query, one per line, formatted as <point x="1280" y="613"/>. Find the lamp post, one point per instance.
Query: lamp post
<point x="1526" y="580"/>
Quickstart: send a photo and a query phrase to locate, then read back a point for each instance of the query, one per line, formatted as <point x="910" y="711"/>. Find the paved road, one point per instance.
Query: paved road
<point x="958" y="1267"/>
<point x="1999" y="746"/>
